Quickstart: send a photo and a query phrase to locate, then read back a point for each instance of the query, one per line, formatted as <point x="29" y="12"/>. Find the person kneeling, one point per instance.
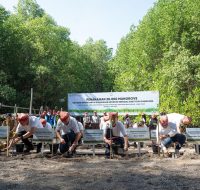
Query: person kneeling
<point x="68" y="132"/>
<point x="112" y="130"/>
<point x="169" y="135"/>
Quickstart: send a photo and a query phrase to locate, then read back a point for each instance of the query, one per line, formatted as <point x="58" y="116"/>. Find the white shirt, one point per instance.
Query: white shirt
<point x="34" y="122"/>
<point x="101" y="123"/>
<point x="118" y="131"/>
<point x="66" y="128"/>
<point x="166" y="130"/>
<point x="48" y="126"/>
<point x="80" y="125"/>
<point x="86" y="119"/>
<point x="174" y="120"/>
<point x="95" y="119"/>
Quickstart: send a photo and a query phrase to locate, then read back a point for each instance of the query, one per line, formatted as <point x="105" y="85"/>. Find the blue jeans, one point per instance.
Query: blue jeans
<point x="166" y="142"/>
<point x="69" y="139"/>
<point x="179" y="138"/>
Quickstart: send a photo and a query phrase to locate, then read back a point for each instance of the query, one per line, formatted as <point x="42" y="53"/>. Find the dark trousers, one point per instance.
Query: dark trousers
<point x="180" y="138"/>
<point x="69" y="139"/>
<point x="118" y="143"/>
<point x="27" y="143"/>
<point x="39" y="147"/>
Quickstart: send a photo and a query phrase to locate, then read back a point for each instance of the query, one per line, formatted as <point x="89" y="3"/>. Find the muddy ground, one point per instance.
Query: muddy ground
<point x="35" y="172"/>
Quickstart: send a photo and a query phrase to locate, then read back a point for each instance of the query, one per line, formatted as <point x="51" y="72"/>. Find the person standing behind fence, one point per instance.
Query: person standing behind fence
<point x="127" y="121"/>
<point x="50" y="117"/>
<point x="54" y="118"/>
<point x="95" y="118"/>
<point x="25" y="129"/>
<point x="68" y="132"/>
<point x="103" y="119"/>
<point x="57" y="117"/>
<point x="144" y="117"/>
<point x="153" y="121"/>
<point x="86" y="120"/>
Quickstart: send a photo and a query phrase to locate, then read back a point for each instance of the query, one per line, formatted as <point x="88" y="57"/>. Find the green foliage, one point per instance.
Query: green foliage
<point x="191" y="106"/>
<point x="7" y="93"/>
<point x="29" y="9"/>
<point x="162" y="53"/>
<point x="37" y="53"/>
<point x="98" y="55"/>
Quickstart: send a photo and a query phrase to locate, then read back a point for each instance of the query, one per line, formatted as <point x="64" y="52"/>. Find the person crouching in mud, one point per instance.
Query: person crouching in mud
<point x="68" y="132"/>
<point x="115" y="135"/>
<point x="25" y="129"/>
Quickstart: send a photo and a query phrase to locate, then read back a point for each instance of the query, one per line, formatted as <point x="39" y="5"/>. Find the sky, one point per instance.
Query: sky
<point x="109" y="20"/>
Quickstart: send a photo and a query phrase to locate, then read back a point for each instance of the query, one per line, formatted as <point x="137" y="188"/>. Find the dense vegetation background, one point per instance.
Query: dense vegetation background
<point x="161" y="53"/>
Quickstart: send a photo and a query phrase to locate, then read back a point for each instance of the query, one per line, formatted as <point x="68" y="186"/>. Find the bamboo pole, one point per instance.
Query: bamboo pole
<point x="8" y="131"/>
<point x="111" y="151"/>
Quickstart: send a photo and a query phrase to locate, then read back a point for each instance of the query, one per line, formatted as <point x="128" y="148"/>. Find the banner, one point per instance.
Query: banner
<point x="132" y="103"/>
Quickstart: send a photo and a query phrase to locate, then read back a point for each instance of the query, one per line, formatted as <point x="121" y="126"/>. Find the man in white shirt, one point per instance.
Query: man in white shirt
<point x="167" y="134"/>
<point x="95" y="118"/>
<point x="25" y="129"/>
<point x="68" y="132"/>
<point x="103" y="119"/>
<point x="178" y="121"/>
<point x="114" y="132"/>
<point x="86" y="120"/>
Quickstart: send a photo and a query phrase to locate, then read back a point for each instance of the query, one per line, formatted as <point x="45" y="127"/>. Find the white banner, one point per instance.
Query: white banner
<point x="121" y="102"/>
